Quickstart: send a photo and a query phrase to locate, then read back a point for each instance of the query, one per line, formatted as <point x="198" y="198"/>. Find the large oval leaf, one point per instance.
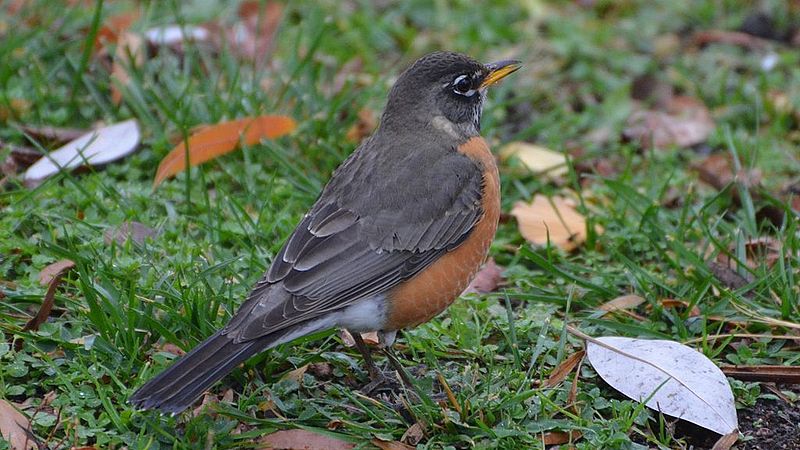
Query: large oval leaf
<point x="673" y="379"/>
<point x="215" y="140"/>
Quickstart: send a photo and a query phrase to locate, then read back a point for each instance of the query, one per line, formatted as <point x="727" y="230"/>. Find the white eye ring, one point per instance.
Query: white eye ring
<point x="455" y="83"/>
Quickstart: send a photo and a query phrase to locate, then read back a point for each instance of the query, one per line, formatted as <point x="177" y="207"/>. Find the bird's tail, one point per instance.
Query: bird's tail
<point x="177" y="387"/>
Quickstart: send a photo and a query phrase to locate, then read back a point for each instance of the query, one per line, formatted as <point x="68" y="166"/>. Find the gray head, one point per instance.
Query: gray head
<point x="445" y="90"/>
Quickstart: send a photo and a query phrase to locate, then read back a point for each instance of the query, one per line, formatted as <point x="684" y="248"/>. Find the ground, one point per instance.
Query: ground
<point x="681" y="121"/>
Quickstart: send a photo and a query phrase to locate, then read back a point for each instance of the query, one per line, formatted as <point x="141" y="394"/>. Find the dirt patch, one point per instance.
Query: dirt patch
<point x="770" y="425"/>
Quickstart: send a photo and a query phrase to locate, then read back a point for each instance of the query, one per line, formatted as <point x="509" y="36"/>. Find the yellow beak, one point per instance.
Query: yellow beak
<point x="499" y="70"/>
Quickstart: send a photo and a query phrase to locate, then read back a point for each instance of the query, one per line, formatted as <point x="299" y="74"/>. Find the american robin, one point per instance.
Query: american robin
<point x="396" y="235"/>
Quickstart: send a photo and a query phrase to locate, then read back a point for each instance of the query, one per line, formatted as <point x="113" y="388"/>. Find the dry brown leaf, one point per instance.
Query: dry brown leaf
<point x="301" y="440"/>
<point x="675" y="303"/>
<point x="371" y="338"/>
<point x="717" y="171"/>
<point x="554" y="219"/>
<point x="296" y="375"/>
<point x="748" y="41"/>
<point x="252" y="38"/>
<point x="216" y="140"/>
<point x="15" y="428"/>
<point x="623" y="302"/>
<point x="137" y="232"/>
<point x="537" y="159"/>
<point x="57" y="135"/>
<point x="560" y="373"/>
<point x="129" y="54"/>
<point x="766" y="250"/>
<point x="391" y="445"/>
<point x="114" y="27"/>
<point x="684" y="122"/>
<point x="560" y="437"/>
<point x="414" y="434"/>
<point x="51" y="271"/>
<point x="363" y="127"/>
<point x="726" y="441"/>
<point x="487" y="279"/>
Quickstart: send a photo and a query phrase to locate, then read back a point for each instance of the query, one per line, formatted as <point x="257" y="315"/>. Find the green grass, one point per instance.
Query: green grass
<point x="221" y="223"/>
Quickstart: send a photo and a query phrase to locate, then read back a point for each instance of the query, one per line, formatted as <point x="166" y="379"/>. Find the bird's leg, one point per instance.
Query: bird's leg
<point x="374" y="373"/>
<point x="398" y="366"/>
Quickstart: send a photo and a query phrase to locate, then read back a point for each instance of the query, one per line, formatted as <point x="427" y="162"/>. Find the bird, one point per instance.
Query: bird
<point x="395" y="236"/>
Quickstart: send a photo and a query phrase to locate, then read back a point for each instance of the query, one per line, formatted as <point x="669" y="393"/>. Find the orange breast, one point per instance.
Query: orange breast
<point x="431" y="291"/>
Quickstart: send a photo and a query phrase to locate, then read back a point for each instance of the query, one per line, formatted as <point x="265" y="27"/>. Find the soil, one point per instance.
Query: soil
<point x="770" y="425"/>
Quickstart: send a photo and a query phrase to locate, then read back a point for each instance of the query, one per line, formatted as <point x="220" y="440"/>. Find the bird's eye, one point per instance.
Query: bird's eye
<point x="462" y="85"/>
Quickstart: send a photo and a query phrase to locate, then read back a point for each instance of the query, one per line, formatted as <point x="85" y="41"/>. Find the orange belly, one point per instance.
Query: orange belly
<point x="430" y="292"/>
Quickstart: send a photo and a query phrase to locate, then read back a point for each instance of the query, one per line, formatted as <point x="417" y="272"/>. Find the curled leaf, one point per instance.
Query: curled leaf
<point x="216" y="140"/>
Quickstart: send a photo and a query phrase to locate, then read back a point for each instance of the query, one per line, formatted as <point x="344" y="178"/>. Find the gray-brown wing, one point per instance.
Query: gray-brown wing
<point x="337" y="256"/>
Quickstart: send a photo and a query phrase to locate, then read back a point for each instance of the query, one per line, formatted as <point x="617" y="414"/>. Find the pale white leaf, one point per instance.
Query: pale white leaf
<point x="96" y="147"/>
<point x="678" y="380"/>
<point x="175" y="34"/>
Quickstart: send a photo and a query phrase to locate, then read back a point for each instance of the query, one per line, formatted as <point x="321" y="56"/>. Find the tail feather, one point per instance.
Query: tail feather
<point x="177" y="387"/>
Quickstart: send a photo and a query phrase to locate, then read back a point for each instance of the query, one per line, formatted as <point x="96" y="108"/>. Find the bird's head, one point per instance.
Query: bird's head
<point x="445" y="90"/>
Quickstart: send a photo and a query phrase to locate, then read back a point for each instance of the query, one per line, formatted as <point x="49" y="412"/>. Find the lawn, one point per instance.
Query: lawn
<point x="681" y="123"/>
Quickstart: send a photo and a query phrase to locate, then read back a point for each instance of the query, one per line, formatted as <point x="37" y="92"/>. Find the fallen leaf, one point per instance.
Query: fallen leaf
<point x="673" y="379"/>
<point x="114" y="27"/>
<point x="371" y="338"/>
<point x="174" y="35"/>
<point x="347" y="338"/>
<point x="215" y="140"/>
<point x="363" y="127"/>
<point x="675" y="303"/>
<point x="727" y="276"/>
<point x="414" y="434"/>
<point x="764" y="373"/>
<point x="52" y="275"/>
<point x="56" y="269"/>
<point x="137" y="232"/>
<point x="15" y="428"/>
<point x="560" y="437"/>
<point x="129" y="55"/>
<point x="94" y="148"/>
<point x="717" y="170"/>
<point x="703" y="38"/>
<point x="391" y="445"/>
<point x="764" y="250"/>
<point x="537" y="159"/>
<point x="253" y="36"/>
<point x="24" y="156"/>
<point x="301" y="440"/>
<point x="621" y="303"/>
<point x="487" y="279"/>
<point x="169" y="347"/>
<point x="551" y="219"/>
<point x="560" y="373"/>
<point x="684" y="122"/>
<point x="53" y="134"/>
<point x="296" y="375"/>
<point x="321" y="371"/>
<point x="726" y="441"/>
